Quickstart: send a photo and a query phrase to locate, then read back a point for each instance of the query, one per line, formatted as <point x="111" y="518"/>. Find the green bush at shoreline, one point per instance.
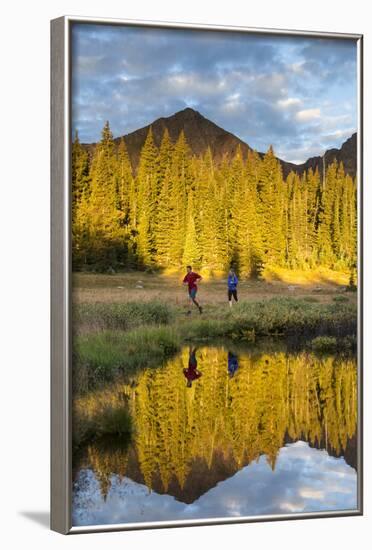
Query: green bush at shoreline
<point x="110" y="421"/>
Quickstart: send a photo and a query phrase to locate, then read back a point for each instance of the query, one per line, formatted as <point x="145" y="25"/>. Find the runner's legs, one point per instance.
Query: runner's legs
<point x="192" y="295"/>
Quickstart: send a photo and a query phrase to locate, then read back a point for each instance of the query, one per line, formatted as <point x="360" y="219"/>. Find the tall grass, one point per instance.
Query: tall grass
<point x="285" y="317"/>
<point x="97" y="316"/>
<point x="289" y="317"/>
<point x="100" y="357"/>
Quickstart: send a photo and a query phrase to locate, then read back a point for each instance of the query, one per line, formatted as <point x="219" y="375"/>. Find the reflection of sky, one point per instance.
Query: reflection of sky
<point x="297" y="93"/>
<point x="304" y="480"/>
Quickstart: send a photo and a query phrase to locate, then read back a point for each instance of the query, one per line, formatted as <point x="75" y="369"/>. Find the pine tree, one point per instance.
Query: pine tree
<point x="165" y="157"/>
<point x="124" y="183"/>
<point x="180" y="185"/>
<point x="191" y="251"/>
<point x="326" y="217"/>
<point x="225" y="195"/>
<point x="248" y="234"/>
<point x="234" y="186"/>
<point x="270" y="208"/>
<point x="210" y="222"/>
<point x="336" y="215"/>
<point x="80" y="185"/>
<point x="147" y="196"/>
<point x="79" y="171"/>
<point x="297" y="222"/>
<point x="164" y="204"/>
<point x="313" y="195"/>
<point x="125" y="187"/>
<point x="105" y="234"/>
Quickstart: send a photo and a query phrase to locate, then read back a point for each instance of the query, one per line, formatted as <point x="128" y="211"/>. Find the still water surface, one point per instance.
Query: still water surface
<point x="221" y="433"/>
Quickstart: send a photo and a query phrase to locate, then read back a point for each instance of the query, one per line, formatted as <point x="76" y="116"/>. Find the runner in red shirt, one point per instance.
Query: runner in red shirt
<point x="190" y="280"/>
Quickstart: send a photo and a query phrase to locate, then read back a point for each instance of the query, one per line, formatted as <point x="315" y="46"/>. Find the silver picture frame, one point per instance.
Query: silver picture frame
<point x="61" y="268"/>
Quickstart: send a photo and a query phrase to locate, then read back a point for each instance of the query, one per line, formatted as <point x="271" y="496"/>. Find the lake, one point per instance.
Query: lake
<point x="223" y="432"/>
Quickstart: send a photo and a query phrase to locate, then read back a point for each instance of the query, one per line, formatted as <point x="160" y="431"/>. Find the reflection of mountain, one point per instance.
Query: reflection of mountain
<point x="304" y="480"/>
<point x="189" y="439"/>
<point x="201" y="476"/>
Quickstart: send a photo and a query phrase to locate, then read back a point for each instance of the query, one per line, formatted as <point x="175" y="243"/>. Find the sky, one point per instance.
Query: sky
<point x="304" y="480"/>
<point x="298" y="94"/>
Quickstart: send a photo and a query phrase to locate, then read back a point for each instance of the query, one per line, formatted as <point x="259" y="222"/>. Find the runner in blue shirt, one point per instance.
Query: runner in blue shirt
<point x="232" y="283"/>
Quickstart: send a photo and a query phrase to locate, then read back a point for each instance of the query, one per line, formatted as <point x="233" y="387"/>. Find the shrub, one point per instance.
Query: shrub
<point x="348" y="343"/>
<point x="324" y="344"/>
<point x="105" y="421"/>
<point x="114" y="421"/>
<point x="340" y="299"/>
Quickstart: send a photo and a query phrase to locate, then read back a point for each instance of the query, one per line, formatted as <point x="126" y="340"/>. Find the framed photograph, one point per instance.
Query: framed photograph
<point x="206" y="234"/>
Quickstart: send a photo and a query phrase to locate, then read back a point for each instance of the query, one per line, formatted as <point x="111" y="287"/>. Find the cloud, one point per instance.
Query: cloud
<point x="260" y="87"/>
<point x="307" y="114"/>
<point x="338" y="135"/>
<point x="289" y="103"/>
<point x="310" y="493"/>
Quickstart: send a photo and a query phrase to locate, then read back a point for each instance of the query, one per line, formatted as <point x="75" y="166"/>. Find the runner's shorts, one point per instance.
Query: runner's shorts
<point x="192" y="293"/>
<point x="231" y="293"/>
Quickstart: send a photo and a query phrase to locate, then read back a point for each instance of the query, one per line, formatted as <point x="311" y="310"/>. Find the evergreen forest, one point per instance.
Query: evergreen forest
<point x="176" y="209"/>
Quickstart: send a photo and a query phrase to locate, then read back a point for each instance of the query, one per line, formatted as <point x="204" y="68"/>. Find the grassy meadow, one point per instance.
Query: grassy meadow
<point x="322" y="284"/>
<point x="130" y="321"/>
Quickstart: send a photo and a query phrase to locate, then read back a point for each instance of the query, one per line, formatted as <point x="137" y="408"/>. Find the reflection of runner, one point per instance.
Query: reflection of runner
<point x="192" y="373"/>
<point x="190" y="279"/>
<point x="232" y="283"/>
<point x="232" y="363"/>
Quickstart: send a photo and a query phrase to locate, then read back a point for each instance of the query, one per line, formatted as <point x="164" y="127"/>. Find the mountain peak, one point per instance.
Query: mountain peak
<point x="188" y="111"/>
<point x="347" y="154"/>
<point x="201" y="134"/>
<point x="184" y="114"/>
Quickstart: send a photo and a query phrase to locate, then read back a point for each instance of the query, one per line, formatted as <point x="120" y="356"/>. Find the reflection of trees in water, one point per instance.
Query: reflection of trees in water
<point x="111" y="456"/>
<point x="273" y="398"/>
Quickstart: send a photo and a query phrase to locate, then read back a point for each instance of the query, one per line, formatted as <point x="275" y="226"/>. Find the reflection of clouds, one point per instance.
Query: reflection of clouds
<point x="132" y="76"/>
<point x="311" y="493"/>
<point x="304" y="480"/>
<point x="288" y="507"/>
